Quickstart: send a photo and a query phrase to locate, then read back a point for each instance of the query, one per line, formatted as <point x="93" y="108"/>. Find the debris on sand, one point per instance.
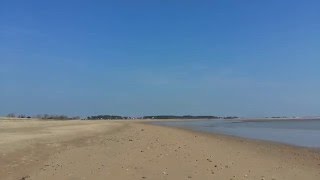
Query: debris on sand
<point x="165" y="173"/>
<point x="25" y="177"/>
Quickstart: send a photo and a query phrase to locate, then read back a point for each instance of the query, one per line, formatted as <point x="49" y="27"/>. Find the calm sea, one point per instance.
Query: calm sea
<point x="296" y="132"/>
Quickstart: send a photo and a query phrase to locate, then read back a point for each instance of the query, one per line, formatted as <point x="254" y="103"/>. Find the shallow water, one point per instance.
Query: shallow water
<point x="295" y="132"/>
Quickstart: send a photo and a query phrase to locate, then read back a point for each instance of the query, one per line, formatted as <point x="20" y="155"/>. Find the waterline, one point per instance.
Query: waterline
<point x="295" y="132"/>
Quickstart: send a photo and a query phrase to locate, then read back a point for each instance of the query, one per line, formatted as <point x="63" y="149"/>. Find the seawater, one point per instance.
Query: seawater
<point x="295" y="132"/>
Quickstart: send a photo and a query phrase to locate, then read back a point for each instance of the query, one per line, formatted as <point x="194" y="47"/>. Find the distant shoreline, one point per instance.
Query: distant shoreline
<point x="277" y="119"/>
<point x="195" y="130"/>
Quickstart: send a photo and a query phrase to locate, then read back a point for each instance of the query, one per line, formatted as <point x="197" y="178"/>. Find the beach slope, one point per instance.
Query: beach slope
<point x="97" y="150"/>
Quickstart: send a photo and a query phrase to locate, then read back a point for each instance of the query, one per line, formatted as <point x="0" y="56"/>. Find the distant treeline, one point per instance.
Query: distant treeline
<point x="58" y="117"/>
<point x="115" y="117"/>
<point x="230" y="117"/>
<point x="180" y="117"/>
<point x="106" y="117"/>
<point x="43" y="116"/>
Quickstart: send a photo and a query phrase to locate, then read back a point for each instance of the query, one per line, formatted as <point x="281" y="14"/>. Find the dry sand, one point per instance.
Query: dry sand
<point x="94" y="150"/>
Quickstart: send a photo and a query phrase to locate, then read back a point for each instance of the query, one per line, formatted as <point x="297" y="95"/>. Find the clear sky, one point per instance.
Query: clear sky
<point x="245" y="58"/>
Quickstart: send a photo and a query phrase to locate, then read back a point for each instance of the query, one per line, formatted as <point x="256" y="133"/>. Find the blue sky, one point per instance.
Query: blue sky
<point x="245" y="58"/>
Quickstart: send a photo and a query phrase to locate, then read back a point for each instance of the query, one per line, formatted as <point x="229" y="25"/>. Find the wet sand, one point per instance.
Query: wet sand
<point x="37" y="150"/>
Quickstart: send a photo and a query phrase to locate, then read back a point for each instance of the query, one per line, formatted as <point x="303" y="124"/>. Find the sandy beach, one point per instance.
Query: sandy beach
<point x="94" y="150"/>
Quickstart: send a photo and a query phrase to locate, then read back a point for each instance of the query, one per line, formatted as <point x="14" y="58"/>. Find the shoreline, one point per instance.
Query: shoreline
<point x="138" y="150"/>
<point x="233" y="138"/>
<point x="239" y="138"/>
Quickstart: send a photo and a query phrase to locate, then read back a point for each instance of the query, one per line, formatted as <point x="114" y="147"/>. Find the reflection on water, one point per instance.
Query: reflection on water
<point x="296" y="132"/>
